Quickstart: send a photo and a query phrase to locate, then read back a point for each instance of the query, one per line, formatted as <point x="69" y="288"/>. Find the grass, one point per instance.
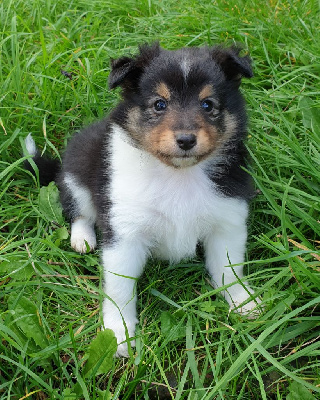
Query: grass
<point x="188" y="345"/>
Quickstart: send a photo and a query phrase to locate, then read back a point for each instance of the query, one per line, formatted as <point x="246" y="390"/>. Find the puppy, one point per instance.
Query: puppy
<point x="162" y="173"/>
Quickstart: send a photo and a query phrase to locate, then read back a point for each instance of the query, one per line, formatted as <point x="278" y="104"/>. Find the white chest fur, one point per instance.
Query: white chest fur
<point x="168" y="209"/>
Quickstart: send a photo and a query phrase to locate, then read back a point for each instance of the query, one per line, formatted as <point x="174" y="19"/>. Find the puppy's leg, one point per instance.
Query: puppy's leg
<point x="77" y="202"/>
<point x="224" y="246"/>
<point x="123" y="263"/>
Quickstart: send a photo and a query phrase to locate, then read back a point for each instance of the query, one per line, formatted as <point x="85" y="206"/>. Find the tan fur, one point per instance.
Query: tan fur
<point x="163" y="91"/>
<point x="161" y="142"/>
<point x="206" y="92"/>
<point x="134" y="116"/>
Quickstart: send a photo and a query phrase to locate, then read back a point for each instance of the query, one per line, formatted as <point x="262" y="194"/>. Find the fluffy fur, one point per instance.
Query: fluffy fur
<point x="161" y="174"/>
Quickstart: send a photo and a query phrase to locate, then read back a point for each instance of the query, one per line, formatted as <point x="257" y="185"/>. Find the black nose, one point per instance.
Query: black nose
<point x="186" y="140"/>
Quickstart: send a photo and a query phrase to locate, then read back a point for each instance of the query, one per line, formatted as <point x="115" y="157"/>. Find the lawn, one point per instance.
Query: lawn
<point x="54" y="66"/>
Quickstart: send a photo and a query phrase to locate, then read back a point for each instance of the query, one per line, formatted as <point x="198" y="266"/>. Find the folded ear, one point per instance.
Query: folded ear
<point x="126" y="71"/>
<point x="233" y="66"/>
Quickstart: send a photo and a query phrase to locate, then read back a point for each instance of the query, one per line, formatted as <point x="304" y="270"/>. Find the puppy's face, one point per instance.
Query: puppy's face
<point x="181" y="106"/>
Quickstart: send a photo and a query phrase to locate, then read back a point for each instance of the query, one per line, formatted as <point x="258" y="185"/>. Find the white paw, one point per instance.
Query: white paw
<point x="250" y="309"/>
<point x="116" y="324"/>
<point x="80" y="246"/>
<point x="123" y="351"/>
<point x="239" y="296"/>
<point x="82" y="232"/>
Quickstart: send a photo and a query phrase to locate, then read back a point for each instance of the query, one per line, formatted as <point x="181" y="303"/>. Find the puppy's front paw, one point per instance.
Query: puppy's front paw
<point x="250" y="309"/>
<point x="80" y="234"/>
<point x="120" y="334"/>
<point x="79" y="244"/>
<point x="123" y="351"/>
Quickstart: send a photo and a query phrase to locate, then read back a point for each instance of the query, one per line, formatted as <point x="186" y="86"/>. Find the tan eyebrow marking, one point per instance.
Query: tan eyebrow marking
<point x="163" y="91"/>
<point x="207" y="91"/>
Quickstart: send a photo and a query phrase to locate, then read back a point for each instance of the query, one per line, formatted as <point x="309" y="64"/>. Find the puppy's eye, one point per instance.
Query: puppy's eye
<point x="160" y="105"/>
<point x="207" y="105"/>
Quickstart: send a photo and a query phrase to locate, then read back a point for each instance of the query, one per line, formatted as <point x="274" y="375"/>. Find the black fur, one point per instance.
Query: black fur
<point x="48" y="168"/>
<point x="232" y="179"/>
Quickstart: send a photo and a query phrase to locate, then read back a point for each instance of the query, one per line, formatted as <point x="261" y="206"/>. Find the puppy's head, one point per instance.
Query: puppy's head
<point x="182" y="106"/>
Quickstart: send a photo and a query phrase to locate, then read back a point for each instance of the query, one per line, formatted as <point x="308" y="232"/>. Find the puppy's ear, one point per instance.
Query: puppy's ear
<point x="120" y="68"/>
<point x="126" y="71"/>
<point x="233" y="66"/>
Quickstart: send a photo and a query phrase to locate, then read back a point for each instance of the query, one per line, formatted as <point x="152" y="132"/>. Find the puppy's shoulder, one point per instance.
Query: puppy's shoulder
<point x="86" y="153"/>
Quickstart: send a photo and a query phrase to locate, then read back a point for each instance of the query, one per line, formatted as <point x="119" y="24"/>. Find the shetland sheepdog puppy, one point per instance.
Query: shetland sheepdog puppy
<point x="161" y="174"/>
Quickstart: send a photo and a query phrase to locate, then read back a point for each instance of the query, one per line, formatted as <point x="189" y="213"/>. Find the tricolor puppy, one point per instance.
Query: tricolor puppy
<point x="162" y="173"/>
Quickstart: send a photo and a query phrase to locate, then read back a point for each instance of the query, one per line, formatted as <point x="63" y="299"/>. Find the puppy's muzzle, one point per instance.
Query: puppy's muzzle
<point x="186" y="141"/>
